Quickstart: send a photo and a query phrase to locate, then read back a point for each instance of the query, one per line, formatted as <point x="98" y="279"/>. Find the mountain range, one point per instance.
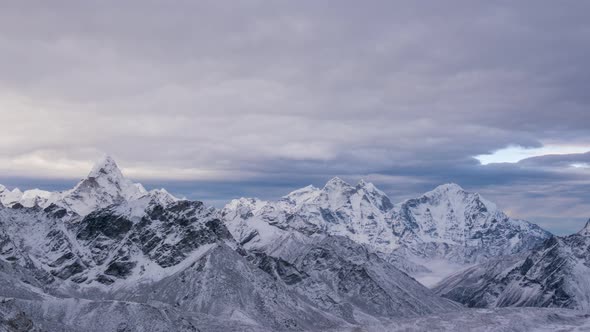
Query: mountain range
<point x="108" y="255"/>
<point x="447" y="225"/>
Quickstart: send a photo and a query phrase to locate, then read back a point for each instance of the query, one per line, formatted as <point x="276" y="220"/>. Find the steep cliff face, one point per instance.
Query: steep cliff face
<point x="107" y="247"/>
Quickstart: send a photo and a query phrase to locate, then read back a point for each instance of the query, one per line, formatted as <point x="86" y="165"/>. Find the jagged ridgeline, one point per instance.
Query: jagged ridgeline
<point x="108" y="255"/>
<point x="423" y="236"/>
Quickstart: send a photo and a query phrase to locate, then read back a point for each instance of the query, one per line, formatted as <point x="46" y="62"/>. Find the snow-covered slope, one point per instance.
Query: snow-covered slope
<point x="445" y="226"/>
<point x="358" y="212"/>
<point x="462" y="227"/>
<point x="343" y="278"/>
<point x="556" y="274"/>
<point x="223" y="283"/>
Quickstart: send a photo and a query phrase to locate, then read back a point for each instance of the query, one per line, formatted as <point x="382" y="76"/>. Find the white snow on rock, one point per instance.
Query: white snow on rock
<point x="10" y="197"/>
<point x="462" y="228"/>
<point x="586" y="230"/>
<point x="554" y="274"/>
<point x="105" y="185"/>
<point x="358" y="212"/>
<point x="429" y="236"/>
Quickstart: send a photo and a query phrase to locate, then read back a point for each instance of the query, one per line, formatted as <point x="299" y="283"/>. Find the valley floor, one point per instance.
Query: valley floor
<point x="53" y="315"/>
<point x="493" y="320"/>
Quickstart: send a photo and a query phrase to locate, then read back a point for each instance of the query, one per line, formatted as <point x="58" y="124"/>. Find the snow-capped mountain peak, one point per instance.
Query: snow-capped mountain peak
<point x="336" y="183"/>
<point x="28" y="198"/>
<point x="586" y="230"/>
<point x="359" y="212"/>
<point x="9" y="197"/>
<point x="302" y="195"/>
<point x="106" y="166"/>
<point x="449" y="187"/>
<point x="450" y="201"/>
<point x="338" y="194"/>
<point x="105" y="185"/>
<point x="108" y="174"/>
<point x="162" y="196"/>
<point x="374" y="195"/>
<point x="367" y="185"/>
<point x="452" y="194"/>
<point x="460" y="226"/>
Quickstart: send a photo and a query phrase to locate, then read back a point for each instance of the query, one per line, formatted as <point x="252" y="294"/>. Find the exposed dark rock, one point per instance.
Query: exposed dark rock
<point x="56" y="211"/>
<point x="111" y="226"/>
<point x="104" y="280"/>
<point x="120" y="269"/>
<point x="17" y="206"/>
<point x="69" y="270"/>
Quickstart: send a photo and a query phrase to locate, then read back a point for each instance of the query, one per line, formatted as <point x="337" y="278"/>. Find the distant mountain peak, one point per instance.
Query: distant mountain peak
<point x="452" y="187"/>
<point x="454" y="193"/>
<point x="106" y="175"/>
<point x="302" y="195"/>
<point x="368" y="186"/>
<point x="105" y="166"/>
<point x="336" y="182"/>
<point x="309" y="188"/>
<point x="105" y="185"/>
<point x="9" y="197"/>
<point x="586" y="230"/>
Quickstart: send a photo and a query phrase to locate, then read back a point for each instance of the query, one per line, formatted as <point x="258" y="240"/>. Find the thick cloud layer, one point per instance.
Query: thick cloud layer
<point x="223" y="99"/>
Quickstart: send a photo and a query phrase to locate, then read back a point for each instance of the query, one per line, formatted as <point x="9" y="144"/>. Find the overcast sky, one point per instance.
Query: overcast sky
<point x="221" y="99"/>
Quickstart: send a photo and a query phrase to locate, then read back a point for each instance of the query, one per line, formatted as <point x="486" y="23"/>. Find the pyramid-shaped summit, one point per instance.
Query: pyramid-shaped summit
<point x="105" y="166"/>
<point x="105" y="185"/>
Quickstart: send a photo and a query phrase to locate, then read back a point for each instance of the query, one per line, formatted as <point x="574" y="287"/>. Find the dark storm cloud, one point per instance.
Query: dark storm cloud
<point x="223" y="99"/>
